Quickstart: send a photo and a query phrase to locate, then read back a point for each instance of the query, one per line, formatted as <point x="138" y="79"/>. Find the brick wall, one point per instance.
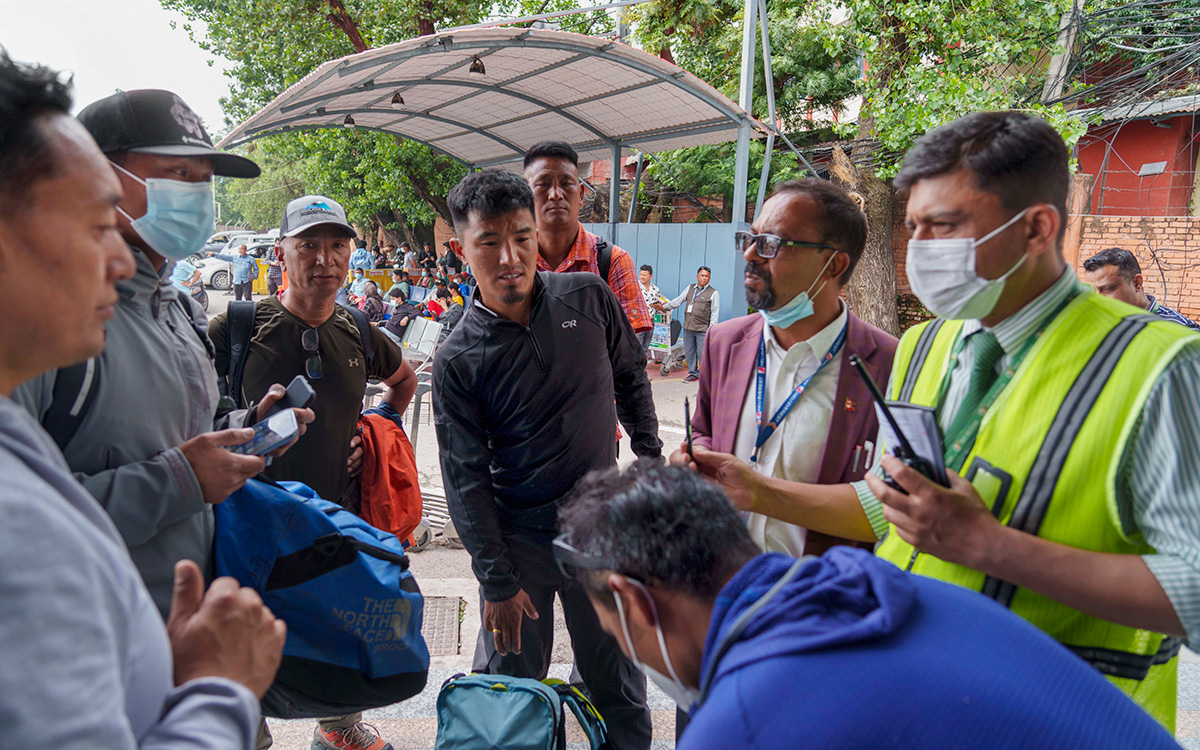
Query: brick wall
<point x="1168" y="249"/>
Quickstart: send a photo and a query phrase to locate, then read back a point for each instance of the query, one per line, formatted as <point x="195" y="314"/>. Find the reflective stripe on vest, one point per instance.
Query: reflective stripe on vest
<point x="1046" y="462"/>
<point x="1043" y="478"/>
<point x="920" y="354"/>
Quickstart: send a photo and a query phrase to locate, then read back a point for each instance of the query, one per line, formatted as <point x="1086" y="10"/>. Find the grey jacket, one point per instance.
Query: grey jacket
<point x="157" y="389"/>
<point x="86" y="662"/>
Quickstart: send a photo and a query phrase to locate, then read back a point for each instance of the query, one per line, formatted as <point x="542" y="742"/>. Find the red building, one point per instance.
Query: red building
<point x="1143" y="158"/>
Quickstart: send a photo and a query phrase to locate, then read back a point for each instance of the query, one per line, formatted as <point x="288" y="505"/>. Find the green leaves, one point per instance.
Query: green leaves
<point x="931" y="61"/>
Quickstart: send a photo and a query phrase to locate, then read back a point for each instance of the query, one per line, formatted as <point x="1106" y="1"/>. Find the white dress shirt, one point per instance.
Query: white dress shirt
<point x="794" y="451"/>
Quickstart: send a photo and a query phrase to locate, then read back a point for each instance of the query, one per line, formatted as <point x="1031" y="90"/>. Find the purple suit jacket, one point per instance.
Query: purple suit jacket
<point x="727" y="371"/>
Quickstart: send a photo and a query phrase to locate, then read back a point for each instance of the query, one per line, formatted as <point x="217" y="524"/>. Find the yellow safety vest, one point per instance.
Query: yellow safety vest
<point x="1045" y="461"/>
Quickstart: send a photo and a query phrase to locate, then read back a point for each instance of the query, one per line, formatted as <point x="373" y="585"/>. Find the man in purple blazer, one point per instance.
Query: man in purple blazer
<point x="776" y="387"/>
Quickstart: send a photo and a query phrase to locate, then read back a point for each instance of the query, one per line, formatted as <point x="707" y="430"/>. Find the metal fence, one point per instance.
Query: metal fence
<point x="676" y="251"/>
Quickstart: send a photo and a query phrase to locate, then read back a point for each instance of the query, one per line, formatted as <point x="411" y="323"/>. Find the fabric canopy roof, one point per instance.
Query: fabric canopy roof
<point x="537" y="85"/>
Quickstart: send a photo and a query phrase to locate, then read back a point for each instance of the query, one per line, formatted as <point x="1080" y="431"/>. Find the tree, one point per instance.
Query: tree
<point x="274" y="43"/>
<point x="260" y="203"/>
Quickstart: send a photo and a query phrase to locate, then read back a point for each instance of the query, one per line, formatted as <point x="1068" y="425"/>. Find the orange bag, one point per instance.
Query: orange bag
<point x="391" y="495"/>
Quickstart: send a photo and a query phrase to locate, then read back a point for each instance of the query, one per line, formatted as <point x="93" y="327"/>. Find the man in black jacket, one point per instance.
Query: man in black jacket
<point x="524" y="406"/>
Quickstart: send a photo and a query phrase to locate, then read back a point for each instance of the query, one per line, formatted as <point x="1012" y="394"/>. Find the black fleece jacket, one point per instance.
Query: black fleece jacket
<point x="524" y="412"/>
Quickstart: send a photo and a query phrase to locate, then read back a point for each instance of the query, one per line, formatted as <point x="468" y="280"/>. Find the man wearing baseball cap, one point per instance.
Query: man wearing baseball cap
<point x="136" y="423"/>
<point x="305" y="332"/>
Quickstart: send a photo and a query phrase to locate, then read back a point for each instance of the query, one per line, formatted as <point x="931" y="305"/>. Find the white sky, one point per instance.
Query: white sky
<point x="118" y="44"/>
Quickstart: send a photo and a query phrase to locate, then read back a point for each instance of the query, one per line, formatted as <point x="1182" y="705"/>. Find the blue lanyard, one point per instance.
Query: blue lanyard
<point x="765" y="431"/>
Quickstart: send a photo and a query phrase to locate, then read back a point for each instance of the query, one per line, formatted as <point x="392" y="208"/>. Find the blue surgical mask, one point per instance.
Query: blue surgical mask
<point x="799" y="308"/>
<point x="179" y="215"/>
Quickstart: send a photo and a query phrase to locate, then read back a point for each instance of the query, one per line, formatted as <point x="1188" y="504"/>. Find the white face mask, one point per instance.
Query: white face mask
<point x="942" y="274"/>
<point x="684" y="696"/>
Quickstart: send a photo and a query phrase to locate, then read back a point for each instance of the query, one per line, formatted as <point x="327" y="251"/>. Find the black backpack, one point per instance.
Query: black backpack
<point x="75" y="387"/>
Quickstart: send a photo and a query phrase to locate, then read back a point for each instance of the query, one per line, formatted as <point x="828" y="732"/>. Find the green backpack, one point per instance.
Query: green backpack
<point x="498" y="712"/>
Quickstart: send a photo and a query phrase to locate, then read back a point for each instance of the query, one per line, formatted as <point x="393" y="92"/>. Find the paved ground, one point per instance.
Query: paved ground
<point x="445" y="572"/>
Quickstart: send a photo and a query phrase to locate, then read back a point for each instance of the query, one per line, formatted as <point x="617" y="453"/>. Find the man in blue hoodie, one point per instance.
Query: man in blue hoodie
<point x="841" y="651"/>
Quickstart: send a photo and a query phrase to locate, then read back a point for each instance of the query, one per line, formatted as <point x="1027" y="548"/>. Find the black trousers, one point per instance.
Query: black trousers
<point x="615" y="684"/>
<point x="242" y="291"/>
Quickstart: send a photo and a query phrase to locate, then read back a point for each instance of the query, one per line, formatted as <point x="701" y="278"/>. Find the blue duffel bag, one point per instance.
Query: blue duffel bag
<point x="352" y="608"/>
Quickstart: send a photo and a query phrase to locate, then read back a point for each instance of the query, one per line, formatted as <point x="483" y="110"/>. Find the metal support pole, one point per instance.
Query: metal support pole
<point x="637" y="186"/>
<point x="762" y="178"/>
<point x="741" y="172"/>
<point x="614" y="193"/>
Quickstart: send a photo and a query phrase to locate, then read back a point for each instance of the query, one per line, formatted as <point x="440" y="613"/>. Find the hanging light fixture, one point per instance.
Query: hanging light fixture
<point x="348" y="122"/>
<point x="476" y="66"/>
<point x="397" y="100"/>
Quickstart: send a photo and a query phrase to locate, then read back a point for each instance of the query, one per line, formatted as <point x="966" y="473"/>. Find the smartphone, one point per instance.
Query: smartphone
<point x="904" y="451"/>
<point x="299" y="396"/>
<point x="687" y="426"/>
<point x="270" y="433"/>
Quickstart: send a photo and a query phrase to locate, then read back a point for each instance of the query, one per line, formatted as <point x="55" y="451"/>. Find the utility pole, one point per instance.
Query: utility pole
<point x="1056" y="74"/>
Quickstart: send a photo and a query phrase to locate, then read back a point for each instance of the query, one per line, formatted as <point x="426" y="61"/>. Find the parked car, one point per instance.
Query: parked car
<point x="221" y="239"/>
<point x="218" y="274"/>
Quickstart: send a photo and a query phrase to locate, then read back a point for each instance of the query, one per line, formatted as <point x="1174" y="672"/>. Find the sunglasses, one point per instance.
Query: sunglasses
<point x="311" y="342"/>
<point x="767" y="245"/>
<point x="570" y="560"/>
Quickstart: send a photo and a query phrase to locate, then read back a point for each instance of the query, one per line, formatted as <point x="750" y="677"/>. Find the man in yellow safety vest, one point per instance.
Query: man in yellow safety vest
<point x="1070" y="422"/>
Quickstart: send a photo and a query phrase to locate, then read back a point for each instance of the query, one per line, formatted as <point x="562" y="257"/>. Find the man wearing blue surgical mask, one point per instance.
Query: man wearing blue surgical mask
<point x="1069" y="423"/>
<point x="138" y="424"/>
<point x="806" y="417"/>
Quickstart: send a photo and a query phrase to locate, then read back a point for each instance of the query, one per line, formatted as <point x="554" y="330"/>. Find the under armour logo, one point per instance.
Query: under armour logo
<point x="569" y="323"/>
<point x="354" y="362"/>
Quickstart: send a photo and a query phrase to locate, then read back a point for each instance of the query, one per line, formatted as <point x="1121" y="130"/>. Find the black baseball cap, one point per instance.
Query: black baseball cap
<point x="153" y="121"/>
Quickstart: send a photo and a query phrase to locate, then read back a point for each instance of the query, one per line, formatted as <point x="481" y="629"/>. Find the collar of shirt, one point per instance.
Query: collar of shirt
<point x="1014" y="330"/>
<point x="1153" y="306"/>
<point x="579" y="258"/>
<point x="818" y="344"/>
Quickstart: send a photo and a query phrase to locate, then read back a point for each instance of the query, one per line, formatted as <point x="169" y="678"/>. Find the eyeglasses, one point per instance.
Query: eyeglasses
<point x="767" y="245"/>
<point x="312" y="367"/>
<point x="569" y="559"/>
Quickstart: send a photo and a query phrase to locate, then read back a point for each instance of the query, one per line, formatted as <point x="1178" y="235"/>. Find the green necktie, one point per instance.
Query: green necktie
<point x="983" y="374"/>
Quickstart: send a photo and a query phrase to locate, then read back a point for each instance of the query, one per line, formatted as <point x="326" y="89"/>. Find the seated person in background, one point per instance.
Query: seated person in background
<point x="450" y="316"/>
<point x="400" y="281"/>
<point x="1116" y="273"/>
<point x="845" y="650"/>
<point x="435" y="304"/>
<point x="396" y="326"/>
<point x="466" y="285"/>
<point x="358" y="286"/>
<point x="372" y="302"/>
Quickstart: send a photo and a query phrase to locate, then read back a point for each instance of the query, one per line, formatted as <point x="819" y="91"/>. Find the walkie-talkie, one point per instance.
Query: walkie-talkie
<point x="903" y="452"/>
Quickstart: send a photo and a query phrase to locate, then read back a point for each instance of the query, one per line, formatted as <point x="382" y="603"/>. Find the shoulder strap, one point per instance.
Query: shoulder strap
<point x="240" y="329"/>
<point x="590" y="720"/>
<point x="75" y="390"/>
<point x="364" y="332"/>
<point x="198" y="318"/>
<point x="604" y="258"/>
